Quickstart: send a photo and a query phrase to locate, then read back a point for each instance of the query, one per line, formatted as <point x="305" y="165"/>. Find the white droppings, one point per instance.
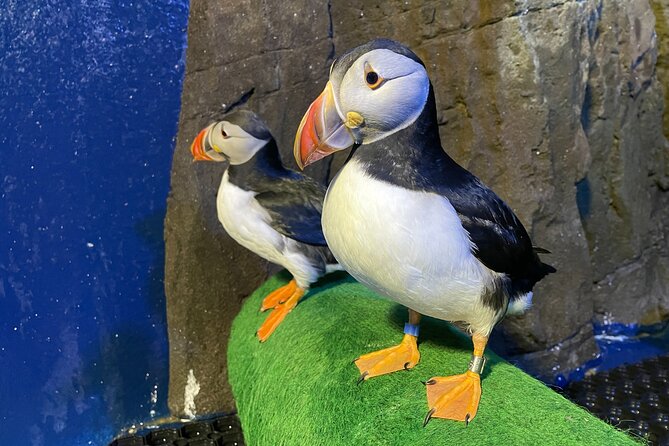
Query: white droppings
<point x="190" y="392"/>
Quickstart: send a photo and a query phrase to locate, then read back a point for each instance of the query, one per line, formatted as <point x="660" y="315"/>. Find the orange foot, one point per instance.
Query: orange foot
<point x="454" y="397"/>
<point x="400" y="357"/>
<point x="278" y="296"/>
<point x="279" y="313"/>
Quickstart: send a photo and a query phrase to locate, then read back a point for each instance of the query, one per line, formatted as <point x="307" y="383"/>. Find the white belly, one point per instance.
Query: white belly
<point x="408" y="246"/>
<point x="248" y="224"/>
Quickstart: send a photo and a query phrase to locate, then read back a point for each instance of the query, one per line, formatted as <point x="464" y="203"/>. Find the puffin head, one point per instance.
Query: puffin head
<point x="374" y="90"/>
<point x="236" y="139"/>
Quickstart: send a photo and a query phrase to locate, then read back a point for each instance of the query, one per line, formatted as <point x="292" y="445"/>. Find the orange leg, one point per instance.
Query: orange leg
<point x="457" y="397"/>
<point x="400" y="357"/>
<point x="279" y="313"/>
<point x="278" y="296"/>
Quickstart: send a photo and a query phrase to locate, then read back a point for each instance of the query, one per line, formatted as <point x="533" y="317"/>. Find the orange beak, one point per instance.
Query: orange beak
<point x="197" y="148"/>
<point x="321" y="132"/>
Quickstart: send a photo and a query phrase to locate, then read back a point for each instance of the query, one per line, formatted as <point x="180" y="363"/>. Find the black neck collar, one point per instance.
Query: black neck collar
<point x="412" y="157"/>
<point x="266" y="163"/>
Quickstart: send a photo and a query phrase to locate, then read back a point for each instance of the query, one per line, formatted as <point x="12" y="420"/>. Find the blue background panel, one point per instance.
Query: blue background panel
<point x="89" y="103"/>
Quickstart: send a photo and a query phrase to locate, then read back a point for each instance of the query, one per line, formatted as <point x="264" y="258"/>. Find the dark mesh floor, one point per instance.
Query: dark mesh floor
<point x="221" y="431"/>
<point x="632" y="397"/>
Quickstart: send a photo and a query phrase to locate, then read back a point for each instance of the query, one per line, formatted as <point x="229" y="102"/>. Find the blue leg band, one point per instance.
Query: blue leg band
<point x="411" y="329"/>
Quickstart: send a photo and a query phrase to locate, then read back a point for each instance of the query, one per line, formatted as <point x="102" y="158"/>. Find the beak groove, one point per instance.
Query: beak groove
<point x="197" y="148"/>
<point x="203" y="149"/>
<point x="321" y="131"/>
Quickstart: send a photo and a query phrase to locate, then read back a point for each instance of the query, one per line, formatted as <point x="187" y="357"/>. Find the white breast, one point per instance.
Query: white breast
<point x="408" y="246"/>
<point x="248" y="224"/>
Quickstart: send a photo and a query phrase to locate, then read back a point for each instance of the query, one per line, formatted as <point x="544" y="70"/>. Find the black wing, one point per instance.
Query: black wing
<point x="502" y="243"/>
<point x="295" y="205"/>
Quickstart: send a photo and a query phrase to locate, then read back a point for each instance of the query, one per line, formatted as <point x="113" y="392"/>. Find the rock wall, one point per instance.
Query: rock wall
<point x="556" y="105"/>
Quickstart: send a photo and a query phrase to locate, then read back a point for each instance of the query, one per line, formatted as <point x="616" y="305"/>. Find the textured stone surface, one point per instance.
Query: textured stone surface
<point x="276" y="57"/>
<point x="661" y="10"/>
<point x="556" y="105"/>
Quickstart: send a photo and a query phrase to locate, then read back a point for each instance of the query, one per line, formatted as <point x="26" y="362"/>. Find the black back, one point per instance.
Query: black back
<point x="294" y="202"/>
<point x="413" y="158"/>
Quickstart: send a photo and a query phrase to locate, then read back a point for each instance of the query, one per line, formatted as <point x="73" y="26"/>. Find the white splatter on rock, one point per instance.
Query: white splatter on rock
<point x="190" y="392"/>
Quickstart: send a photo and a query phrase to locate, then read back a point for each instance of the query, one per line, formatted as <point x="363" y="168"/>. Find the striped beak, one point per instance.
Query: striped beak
<point x="201" y="148"/>
<point x="321" y="132"/>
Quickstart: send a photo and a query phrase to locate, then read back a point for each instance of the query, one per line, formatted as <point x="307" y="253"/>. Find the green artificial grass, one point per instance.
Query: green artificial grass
<point x="299" y="387"/>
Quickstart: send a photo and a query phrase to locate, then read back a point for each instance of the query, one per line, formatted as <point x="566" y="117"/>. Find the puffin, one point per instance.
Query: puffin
<point x="404" y="219"/>
<point x="270" y="210"/>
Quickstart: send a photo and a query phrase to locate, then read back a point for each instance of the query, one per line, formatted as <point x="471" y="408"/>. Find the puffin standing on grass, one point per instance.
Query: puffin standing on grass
<point x="270" y="210"/>
<point x="406" y="220"/>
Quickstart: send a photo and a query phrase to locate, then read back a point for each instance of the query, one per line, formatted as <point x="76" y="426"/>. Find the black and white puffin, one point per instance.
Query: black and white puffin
<point x="273" y="211"/>
<point x="406" y="220"/>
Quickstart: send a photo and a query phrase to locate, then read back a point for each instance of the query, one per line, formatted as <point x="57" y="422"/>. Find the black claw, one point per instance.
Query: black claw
<point x="362" y="377"/>
<point x="430" y="382"/>
<point x="406" y="366"/>
<point x="424" y="383"/>
<point x="467" y="420"/>
<point x="428" y="417"/>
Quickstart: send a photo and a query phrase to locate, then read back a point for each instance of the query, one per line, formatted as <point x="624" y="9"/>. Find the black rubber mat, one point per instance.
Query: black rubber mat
<point x="221" y="431"/>
<point x="632" y="397"/>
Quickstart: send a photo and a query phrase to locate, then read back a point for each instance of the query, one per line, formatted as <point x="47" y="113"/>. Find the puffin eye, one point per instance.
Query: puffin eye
<point x="372" y="77"/>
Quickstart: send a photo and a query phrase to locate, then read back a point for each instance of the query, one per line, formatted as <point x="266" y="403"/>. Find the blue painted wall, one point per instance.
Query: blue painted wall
<point x="89" y="102"/>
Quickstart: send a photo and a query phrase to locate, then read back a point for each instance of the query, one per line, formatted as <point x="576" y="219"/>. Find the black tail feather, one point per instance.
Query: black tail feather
<point x="548" y="269"/>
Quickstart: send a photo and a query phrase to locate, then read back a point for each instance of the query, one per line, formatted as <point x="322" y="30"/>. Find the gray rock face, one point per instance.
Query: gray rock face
<point x="275" y="55"/>
<point x="555" y="105"/>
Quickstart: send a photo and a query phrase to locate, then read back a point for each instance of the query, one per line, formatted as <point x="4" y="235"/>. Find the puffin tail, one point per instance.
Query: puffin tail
<point x="547" y="269"/>
<point x="333" y="267"/>
<point x="331" y="264"/>
<point x="328" y="256"/>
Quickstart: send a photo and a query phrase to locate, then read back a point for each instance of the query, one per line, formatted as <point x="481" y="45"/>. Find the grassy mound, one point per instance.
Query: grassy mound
<point x="298" y="388"/>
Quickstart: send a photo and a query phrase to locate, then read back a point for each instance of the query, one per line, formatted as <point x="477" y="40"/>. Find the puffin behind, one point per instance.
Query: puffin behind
<point x="270" y="210"/>
<point x="405" y="219"/>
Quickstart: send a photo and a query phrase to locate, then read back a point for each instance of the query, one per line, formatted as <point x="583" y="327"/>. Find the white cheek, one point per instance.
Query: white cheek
<point x="393" y="106"/>
<point x="240" y="147"/>
<point x="398" y="102"/>
<point x="240" y="150"/>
